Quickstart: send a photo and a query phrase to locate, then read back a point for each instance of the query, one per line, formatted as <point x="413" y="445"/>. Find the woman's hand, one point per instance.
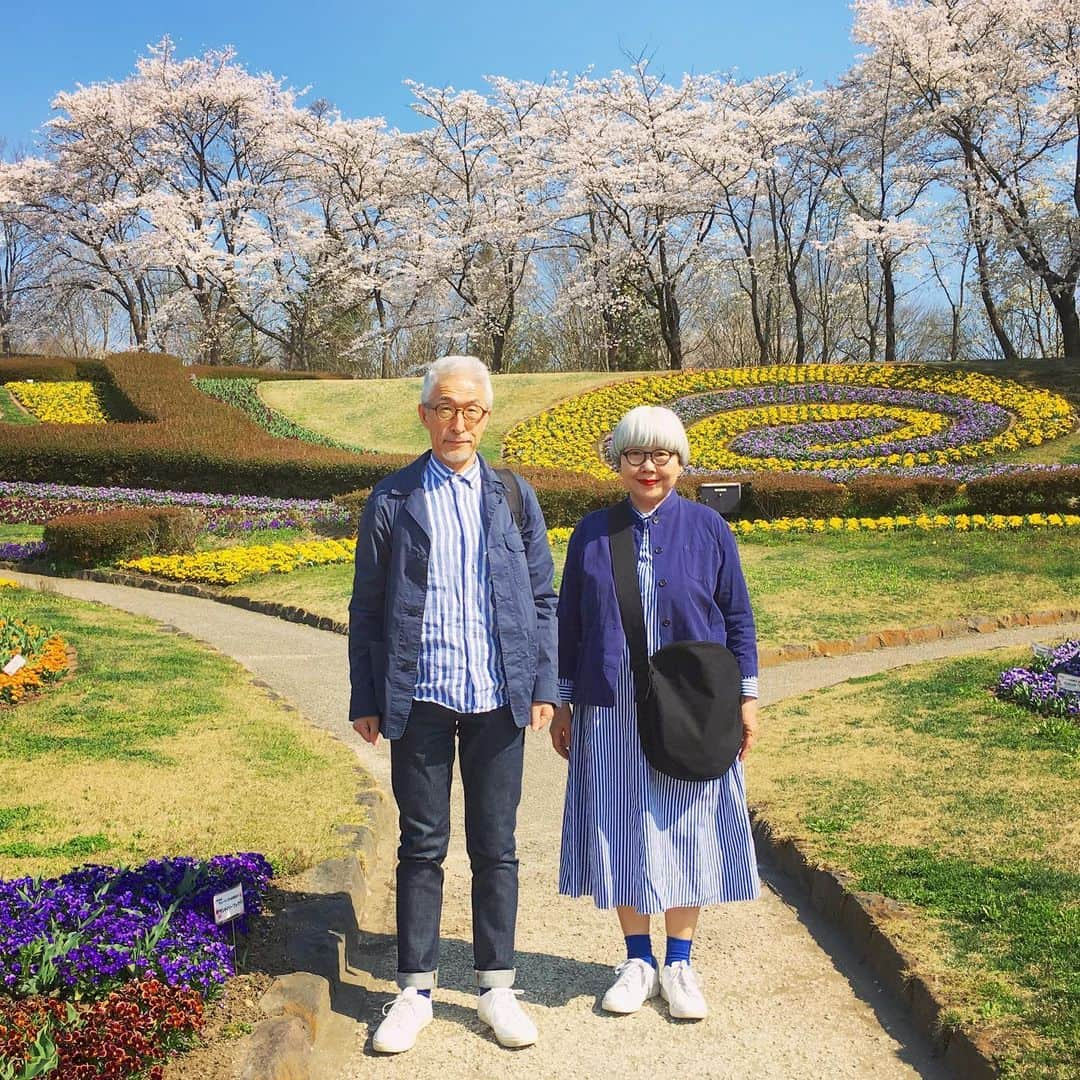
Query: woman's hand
<point x="749" y="711"/>
<point x="560" y="731"/>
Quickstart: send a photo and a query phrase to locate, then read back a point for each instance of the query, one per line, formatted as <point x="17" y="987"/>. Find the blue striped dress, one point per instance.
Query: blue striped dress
<point x="634" y="837"/>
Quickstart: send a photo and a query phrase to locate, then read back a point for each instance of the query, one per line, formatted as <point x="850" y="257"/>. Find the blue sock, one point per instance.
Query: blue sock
<point x="424" y="993"/>
<point x="485" y="989"/>
<point x="677" y="949"/>
<point x="639" y="947"/>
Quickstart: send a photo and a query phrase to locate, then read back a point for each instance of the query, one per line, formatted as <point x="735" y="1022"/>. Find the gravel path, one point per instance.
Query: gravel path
<point x="788" y="999"/>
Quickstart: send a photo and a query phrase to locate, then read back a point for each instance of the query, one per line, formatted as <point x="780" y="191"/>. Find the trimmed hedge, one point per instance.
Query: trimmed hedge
<point x="89" y="539"/>
<point x="238" y="371"/>
<point x="1025" y="493"/>
<point x="49" y="369"/>
<point x="879" y="495"/>
<point x="186" y="441"/>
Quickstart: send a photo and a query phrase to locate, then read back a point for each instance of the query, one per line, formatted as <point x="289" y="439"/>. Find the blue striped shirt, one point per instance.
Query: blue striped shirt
<point x="460" y="665"/>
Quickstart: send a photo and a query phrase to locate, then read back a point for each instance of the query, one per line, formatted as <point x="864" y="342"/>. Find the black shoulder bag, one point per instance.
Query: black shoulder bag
<point x="688" y="694"/>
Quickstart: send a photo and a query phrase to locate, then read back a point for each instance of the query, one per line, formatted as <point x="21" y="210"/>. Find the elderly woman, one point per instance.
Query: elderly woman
<point x="634" y="838"/>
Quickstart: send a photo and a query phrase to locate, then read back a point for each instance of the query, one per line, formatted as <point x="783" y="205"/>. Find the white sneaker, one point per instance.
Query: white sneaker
<point x="406" y="1016"/>
<point x="679" y="988"/>
<point x="499" y="1009"/>
<point x="636" y="982"/>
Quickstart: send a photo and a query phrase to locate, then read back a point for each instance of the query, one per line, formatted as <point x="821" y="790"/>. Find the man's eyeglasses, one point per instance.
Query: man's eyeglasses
<point x="471" y="414"/>
<point x="657" y="457"/>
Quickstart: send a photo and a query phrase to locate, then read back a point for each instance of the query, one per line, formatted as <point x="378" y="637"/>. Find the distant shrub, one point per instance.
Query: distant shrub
<point x="88" y="539"/>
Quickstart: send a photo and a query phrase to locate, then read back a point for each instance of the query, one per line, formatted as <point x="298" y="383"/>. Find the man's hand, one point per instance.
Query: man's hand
<point x="749" y="710"/>
<point x="560" y="731"/>
<point x="367" y="727"/>
<point x="541" y="715"/>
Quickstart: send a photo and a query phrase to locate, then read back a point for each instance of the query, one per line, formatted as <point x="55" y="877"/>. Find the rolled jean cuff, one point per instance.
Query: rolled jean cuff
<point x="422" y="980"/>
<point x="488" y="980"/>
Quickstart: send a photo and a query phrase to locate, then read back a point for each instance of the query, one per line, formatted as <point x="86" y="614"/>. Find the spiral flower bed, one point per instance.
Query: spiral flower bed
<point x="60" y="402"/>
<point x="822" y="417"/>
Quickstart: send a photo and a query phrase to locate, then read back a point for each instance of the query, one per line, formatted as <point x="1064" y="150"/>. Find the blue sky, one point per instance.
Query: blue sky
<point x="357" y="54"/>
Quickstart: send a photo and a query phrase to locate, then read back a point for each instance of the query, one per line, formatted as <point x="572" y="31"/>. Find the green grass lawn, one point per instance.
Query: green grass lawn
<point x="159" y="746"/>
<point x="20" y="534"/>
<point x="381" y="413"/>
<point x="11" y="412"/>
<point x="931" y="791"/>
<point x="809" y="588"/>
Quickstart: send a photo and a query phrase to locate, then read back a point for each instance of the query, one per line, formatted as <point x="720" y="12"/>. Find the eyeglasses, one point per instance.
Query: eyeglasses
<point x="471" y="414"/>
<point x="658" y="457"/>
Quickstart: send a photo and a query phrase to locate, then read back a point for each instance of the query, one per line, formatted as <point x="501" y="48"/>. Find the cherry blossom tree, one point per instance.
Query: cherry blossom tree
<point x="995" y="82"/>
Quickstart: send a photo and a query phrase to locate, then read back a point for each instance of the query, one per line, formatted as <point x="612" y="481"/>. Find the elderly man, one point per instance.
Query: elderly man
<point x="452" y="645"/>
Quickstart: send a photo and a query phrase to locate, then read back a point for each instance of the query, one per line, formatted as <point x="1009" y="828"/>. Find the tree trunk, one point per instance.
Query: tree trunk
<point x="800" y="317"/>
<point x="890" y="310"/>
<point x="982" y="262"/>
<point x="1063" y="297"/>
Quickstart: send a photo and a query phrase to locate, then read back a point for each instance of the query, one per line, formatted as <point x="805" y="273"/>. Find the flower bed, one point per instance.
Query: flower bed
<point x="61" y="402"/>
<point x="81" y="935"/>
<point x="230" y="566"/>
<point x="949" y="418"/>
<point x="14" y="552"/>
<point x="126" y="1034"/>
<point x="1036" y="685"/>
<point x="23" y="503"/>
<point x="45" y="654"/>
<point x="103" y="970"/>
<point x="184" y="440"/>
<point x="920" y="523"/>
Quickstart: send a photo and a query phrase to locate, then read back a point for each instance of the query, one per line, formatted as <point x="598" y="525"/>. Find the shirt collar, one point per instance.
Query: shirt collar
<point x="444" y="474"/>
<point x="655" y="510"/>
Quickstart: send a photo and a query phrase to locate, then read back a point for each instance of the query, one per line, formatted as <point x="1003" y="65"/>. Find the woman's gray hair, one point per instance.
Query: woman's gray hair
<point x="650" y="427"/>
<point x="446" y="365"/>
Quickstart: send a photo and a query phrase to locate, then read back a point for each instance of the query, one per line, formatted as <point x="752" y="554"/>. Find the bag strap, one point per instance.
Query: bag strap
<point x="513" y="494"/>
<point x="620" y="519"/>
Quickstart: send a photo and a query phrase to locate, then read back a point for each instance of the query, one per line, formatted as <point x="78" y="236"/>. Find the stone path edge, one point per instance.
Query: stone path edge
<point x="771" y="656"/>
<point x="298" y="1026"/>
<point x="862" y="917"/>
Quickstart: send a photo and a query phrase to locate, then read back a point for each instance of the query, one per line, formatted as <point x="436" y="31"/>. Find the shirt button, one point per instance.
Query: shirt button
<point x="665" y="622"/>
<point x="658" y="550"/>
<point x="662" y="582"/>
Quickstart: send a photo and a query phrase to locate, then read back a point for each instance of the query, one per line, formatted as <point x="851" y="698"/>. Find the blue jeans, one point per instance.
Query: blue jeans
<point x="422" y="764"/>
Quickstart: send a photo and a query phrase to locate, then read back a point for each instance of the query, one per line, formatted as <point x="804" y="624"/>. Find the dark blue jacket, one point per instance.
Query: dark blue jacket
<point x="390" y="588"/>
<point x="700" y="588"/>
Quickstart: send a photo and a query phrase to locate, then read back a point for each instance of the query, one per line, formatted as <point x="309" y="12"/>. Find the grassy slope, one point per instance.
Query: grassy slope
<point x="159" y="746"/>
<point x="963" y="807"/>
<point x="381" y="413"/>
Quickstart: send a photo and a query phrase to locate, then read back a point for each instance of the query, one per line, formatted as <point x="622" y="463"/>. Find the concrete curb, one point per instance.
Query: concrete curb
<point x="771" y="656"/>
<point x="299" y="1039"/>
<point x="862" y="918"/>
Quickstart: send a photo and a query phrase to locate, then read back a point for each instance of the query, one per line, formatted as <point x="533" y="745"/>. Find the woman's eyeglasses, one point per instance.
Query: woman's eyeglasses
<point x="657" y="457"/>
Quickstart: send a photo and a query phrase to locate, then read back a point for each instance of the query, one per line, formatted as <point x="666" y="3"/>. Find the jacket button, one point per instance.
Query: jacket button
<point x="658" y="550"/>
<point x="665" y="622"/>
<point x="662" y="582"/>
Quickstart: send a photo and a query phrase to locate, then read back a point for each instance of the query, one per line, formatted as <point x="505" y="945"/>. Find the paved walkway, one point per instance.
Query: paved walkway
<point x="788" y="999"/>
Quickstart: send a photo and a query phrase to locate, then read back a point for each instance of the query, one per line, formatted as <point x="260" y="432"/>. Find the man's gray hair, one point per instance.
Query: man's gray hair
<point x="446" y="365"/>
<point x="649" y="427"/>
